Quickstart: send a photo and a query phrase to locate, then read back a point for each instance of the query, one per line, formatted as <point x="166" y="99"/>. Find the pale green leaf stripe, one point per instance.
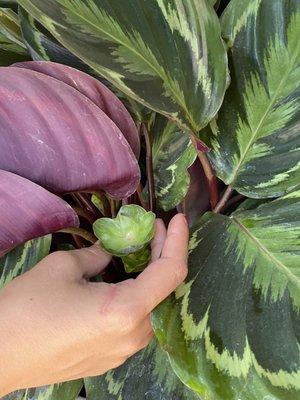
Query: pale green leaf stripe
<point x="168" y="56"/>
<point x="146" y="375"/>
<point x="22" y="258"/>
<point x="256" y="142"/>
<point x="173" y="154"/>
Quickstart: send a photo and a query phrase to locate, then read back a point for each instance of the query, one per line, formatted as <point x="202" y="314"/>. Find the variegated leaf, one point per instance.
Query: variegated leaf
<point x="173" y="154"/>
<point x="146" y="375"/>
<point x="238" y="314"/>
<point x="23" y="258"/>
<point x="167" y="55"/>
<point x="256" y="143"/>
<point x="61" y="391"/>
<point x="12" y="48"/>
<point x="43" y="46"/>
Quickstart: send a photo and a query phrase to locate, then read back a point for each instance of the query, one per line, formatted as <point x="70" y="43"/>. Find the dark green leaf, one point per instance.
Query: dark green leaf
<point x="168" y="56"/>
<point x="239" y="308"/>
<point x="256" y="143"/>
<point x="147" y="375"/>
<point x="173" y="154"/>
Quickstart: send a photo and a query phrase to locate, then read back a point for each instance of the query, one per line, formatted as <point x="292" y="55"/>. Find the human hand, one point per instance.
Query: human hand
<point x="58" y="326"/>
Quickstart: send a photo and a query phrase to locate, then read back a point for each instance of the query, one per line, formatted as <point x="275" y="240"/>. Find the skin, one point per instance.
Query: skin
<point x="58" y="326"/>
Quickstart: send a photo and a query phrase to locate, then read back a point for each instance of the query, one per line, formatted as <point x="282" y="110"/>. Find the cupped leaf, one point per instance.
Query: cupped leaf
<point x="167" y="55"/>
<point x="128" y="236"/>
<point x="29" y="211"/>
<point x="146" y="375"/>
<point x="256" y="140"/>
<point x="52" y="134"/>
<point x="239" y="308"/>
<point x="173" y="154"/>
<point x="94" y="90"/>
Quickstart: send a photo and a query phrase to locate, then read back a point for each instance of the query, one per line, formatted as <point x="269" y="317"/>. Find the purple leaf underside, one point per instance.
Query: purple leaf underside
<point x="28" y="211"/>
<point x="55" y="136"/>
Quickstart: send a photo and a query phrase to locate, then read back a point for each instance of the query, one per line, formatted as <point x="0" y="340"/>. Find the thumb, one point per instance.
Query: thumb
<point x="90" y="260"/>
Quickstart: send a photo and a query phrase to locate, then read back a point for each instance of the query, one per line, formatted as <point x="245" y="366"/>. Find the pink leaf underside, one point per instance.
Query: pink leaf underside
<point x="28" y="211"/>
<point x="98" y="93"/>
<point x="55" y="136"/>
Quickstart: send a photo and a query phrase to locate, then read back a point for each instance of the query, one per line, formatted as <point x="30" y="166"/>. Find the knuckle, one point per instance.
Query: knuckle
<point x="180" y="273"/>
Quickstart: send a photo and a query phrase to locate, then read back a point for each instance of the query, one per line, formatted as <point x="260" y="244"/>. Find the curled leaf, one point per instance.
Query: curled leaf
<point x="128" y="235"/>
<point x="55" y="136"/>
<point x="98" y="93"/>
<point x="28" y="211"/>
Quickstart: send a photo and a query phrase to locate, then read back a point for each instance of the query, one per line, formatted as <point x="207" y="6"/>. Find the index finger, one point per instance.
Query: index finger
<point x="163" y="276"/>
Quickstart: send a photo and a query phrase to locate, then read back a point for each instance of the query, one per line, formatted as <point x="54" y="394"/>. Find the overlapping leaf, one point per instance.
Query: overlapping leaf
<point x="173" y="154"/>
<point x="43" y="46"/>
<point x="167" y="55"/>
<point x="256" y="135"/>
<point x="29" y="211"/>
<point x="147" y="375"/>
<point x="12" y="48"/>
<point x="94" y="90"/>
<point x="56" y="136"/>
<point x="236" y="319"/>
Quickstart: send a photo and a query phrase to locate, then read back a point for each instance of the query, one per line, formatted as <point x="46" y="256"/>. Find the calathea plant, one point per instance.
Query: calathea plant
<point x="189" y="105"/>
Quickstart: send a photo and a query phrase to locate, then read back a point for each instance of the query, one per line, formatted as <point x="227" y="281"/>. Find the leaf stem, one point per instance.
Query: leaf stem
<point x="210" y="177"/>
<point x="149" y="165"/>
<point x="89" y="216"/>
<point x="222" y="203"/>
<point x="88" y="236"/>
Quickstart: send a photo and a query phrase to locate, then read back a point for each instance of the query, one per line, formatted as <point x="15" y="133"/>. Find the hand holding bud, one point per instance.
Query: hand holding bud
<point x="128" y="236"/>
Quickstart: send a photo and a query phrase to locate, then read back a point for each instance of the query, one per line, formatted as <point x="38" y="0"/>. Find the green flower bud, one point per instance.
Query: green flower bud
<point x="128" y="236"/>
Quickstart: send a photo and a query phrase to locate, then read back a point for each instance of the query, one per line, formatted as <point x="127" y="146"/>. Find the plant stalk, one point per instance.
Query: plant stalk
<point x="149" y="166"/>
<point x="210" y="177"/>
<point x="222" y="203"/>
<point x="88" y="236"/>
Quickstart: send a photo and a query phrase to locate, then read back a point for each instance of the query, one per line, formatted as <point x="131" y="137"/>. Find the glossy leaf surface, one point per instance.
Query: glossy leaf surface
<point x="29" y="211"/>
<point x="147" y="375"/>
<point x="256" y="135"/>
<point x="94" y="90"/>
<point x="173" y="154"/>
<point x="55" y="136"/>
<point x="239" y="307"/>
<point x="168" y="56"/>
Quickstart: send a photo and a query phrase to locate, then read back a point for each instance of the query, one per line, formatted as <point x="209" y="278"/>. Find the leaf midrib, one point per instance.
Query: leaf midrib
<point x="266" y="252"/>
<point x="262" y="120"/>
<point x="182" y="105"/>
